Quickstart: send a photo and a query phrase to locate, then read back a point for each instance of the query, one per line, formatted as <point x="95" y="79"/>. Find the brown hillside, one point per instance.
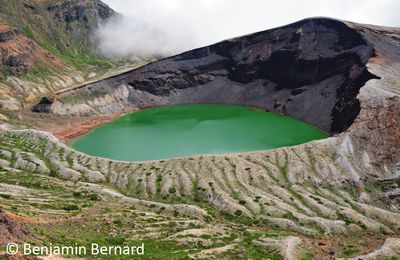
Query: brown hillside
<point x="18" y="53"/>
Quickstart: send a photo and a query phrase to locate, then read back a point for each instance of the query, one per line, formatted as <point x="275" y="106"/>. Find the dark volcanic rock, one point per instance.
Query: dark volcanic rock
<point x="80" y="16"/>
<point x="44" y="106"/>
<point x="17" y="64"/>
<point x="8" y="35"/>
<point x="312" y="70"/>
<point x="32" y="6"/>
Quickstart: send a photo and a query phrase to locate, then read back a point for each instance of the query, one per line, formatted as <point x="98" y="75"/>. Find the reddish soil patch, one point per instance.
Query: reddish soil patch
<point x="11" y="230"/>
<point x="20" y="53"/>
<point x="67" y="133"/>
<point x="65" y="128"/>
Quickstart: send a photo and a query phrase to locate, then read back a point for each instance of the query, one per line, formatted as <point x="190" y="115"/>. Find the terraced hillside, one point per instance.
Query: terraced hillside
<point x="333" y="198"/>
<point x="315" y="189"/>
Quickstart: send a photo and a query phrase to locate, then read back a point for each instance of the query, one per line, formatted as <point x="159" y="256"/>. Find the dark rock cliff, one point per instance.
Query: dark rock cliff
<point x="312" y="70"/>
<point x="81" y="17"/>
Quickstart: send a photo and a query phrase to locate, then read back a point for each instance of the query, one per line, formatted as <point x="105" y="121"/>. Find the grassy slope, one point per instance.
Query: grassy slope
<point x="33" y="19"/>
<point x="72" y="213"/>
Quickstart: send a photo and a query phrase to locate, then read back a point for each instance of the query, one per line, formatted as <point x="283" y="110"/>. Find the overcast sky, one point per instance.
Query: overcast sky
<point x="165" y="27"/>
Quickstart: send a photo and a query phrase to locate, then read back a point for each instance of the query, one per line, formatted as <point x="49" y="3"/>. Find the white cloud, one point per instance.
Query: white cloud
<point x="166" y="27"/>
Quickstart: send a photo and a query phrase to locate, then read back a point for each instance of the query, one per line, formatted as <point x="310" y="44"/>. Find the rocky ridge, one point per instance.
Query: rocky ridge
<point x="81" y="18"/>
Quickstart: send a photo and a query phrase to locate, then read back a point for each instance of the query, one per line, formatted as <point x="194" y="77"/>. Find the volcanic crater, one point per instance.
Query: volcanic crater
<point x="311" y="70"/>
<point x="337" y="75"/>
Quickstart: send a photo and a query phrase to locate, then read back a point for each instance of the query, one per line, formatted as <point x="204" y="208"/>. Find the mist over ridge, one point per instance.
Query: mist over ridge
<point x="166" y="27"/>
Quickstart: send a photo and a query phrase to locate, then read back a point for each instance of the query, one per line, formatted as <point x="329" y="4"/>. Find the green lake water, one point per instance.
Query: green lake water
<point x="182" y="130"/>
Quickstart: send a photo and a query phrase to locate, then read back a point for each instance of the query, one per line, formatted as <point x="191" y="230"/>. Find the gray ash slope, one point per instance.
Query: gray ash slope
<point x="312" y="70"/>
